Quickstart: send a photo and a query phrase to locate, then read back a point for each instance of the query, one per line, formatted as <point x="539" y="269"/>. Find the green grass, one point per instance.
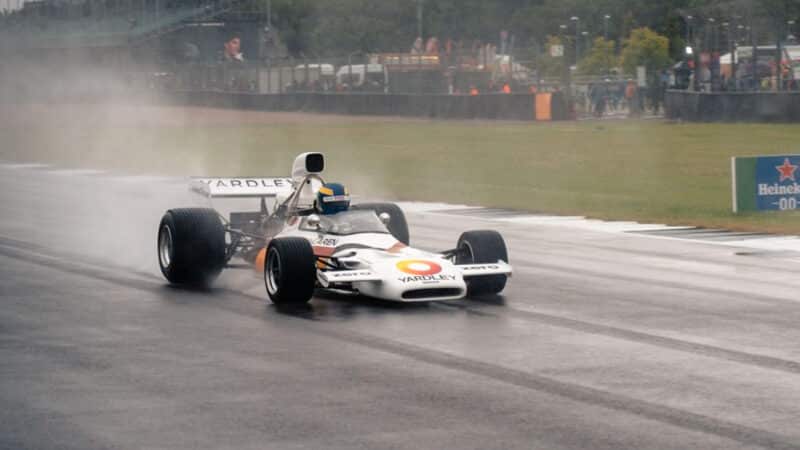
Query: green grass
<point x="634" y="170"/>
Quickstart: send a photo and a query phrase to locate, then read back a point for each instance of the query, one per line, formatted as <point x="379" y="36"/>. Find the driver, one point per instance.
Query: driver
<point x="332" y="198"/>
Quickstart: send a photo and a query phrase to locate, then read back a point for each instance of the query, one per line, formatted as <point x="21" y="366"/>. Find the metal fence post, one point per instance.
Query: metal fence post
<point x="307" y="82"/>
<point x="269" y="76"/>
<point x="294" y="81"/>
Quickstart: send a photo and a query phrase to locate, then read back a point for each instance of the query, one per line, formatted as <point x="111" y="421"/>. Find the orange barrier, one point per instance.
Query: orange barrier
<point x="543" y="107"/>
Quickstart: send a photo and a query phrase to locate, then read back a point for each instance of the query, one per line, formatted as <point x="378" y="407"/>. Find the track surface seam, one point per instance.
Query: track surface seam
<point x="766" y="362"/>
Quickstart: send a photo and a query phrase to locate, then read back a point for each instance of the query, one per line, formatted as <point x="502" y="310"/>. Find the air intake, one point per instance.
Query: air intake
<point x="419" y="294"/>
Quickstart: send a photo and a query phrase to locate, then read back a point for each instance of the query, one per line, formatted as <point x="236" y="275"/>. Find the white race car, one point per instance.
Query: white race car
<point x="363" y="250"/>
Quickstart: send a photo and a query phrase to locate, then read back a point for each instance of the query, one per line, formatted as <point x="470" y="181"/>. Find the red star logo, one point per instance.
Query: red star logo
<point x="786" y="170"/>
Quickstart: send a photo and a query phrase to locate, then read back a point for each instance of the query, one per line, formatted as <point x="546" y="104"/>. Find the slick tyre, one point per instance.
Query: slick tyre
<point x="482" y="246"/>
<point x="397" y="223"/>
<point x="290" y="271"/>
<point x="191" y="246"/>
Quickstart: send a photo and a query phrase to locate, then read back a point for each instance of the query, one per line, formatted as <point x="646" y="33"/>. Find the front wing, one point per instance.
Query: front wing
<point x="399" y="287"/>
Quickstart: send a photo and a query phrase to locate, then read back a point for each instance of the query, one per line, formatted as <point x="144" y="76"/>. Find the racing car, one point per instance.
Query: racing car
<point x="299" y="247"/>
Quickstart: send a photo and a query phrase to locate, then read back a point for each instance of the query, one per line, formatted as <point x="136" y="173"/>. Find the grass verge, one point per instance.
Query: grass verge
<point x="633" y="170"/>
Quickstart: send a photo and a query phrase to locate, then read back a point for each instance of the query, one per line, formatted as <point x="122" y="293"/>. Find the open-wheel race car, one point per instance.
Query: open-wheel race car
<point x="314" y="239"/>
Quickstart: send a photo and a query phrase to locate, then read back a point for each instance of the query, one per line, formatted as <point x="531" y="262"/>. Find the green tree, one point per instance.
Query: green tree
<point x="294" y="19"/>
<point x="646" y="48"/>
<point x="601" y="58"/>
<point x="550" y="66"/>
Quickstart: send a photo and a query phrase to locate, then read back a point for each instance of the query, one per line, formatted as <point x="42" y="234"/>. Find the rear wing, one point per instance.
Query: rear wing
<point x="241" y="187"/>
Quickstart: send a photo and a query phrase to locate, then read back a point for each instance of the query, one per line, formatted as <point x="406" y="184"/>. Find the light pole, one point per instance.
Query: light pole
<point x="689" y="30"/>
<point x="419" y="18"/>
<point x="577" y="38"/>
<point x="586" y="41"/>
<point x="727" y="43"/>
<point x="565" y="75"/>
<point x="712" y="61"/>
<point x="712" y="42"/>
<point x="605" y="26"/>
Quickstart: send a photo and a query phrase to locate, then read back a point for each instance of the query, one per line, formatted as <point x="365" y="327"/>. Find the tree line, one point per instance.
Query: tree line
<point x="336" y="27"/>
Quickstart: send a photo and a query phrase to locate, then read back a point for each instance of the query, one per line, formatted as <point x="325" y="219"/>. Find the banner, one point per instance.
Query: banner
<point x="765" y="183"/>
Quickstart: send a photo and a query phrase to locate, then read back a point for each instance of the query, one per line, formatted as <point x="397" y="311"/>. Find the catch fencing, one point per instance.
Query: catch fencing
<point x="388" y="73"/>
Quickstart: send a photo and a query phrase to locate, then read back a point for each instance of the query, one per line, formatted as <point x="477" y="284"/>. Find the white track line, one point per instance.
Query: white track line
<point x="23" y="166"/>
<point x="771" y="243"/>
<point x="75" y="172"/>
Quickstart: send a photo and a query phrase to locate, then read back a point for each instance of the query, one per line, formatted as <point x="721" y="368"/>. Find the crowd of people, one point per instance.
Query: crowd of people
<point x="625" y="96"/>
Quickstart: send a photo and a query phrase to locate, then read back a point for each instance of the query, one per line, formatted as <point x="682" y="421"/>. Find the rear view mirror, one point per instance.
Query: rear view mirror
<point x="385" y="218"/>
<point x="306" y="164"/>
<point x="315" y="163"/>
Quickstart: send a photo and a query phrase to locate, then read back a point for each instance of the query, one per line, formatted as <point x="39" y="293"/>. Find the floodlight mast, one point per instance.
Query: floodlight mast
<point x="577" y="21"/>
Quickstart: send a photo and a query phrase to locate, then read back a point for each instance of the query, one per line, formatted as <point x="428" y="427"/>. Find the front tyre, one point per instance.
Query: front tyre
<point x="191" y="246"/>
<point x="482" y="246"/>
<point x="290" y="271"/>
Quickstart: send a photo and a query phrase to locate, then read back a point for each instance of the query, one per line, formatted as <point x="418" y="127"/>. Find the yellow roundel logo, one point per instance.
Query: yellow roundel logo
<point x="419" y="267"/>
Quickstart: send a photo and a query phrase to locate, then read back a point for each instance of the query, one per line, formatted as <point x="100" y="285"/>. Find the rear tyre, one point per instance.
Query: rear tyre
<point x="482" y="246"/>
<point x="191" y="246"/>
<point x="397" y="223"/>
<point x="290" y="271"/>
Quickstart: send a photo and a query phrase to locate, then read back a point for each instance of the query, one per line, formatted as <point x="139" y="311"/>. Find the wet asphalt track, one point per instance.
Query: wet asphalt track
<point x="606" y="341"/>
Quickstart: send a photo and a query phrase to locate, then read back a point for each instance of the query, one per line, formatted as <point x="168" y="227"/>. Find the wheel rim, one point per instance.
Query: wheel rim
<point x="272" y="272"/>
<point x="165" y="247"/>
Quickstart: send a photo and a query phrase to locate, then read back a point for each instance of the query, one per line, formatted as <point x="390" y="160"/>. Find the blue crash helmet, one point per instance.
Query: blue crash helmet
<point x="332" y="198"/>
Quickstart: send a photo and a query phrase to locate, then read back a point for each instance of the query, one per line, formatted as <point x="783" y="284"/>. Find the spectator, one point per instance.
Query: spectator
<point x="233" y="78"/>
<point x="631" y="97"/>
<point x="232" y="49"/>
<point x="599" y="94"/>
<point x="655" y="94"/>
<point x="432" y="47"/>
<point x="417" y="49"/>
<point x="617" y="92"/>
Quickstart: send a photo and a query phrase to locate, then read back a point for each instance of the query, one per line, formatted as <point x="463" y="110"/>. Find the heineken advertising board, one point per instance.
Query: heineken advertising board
<point x="765" y="183"/>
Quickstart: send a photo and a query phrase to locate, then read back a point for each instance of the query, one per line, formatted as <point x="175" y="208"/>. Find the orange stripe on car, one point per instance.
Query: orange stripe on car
<point x="260" y="258"/>
<point x="396" y="248"/>
<point x="323" y="251"/>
